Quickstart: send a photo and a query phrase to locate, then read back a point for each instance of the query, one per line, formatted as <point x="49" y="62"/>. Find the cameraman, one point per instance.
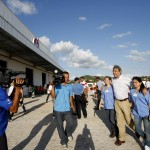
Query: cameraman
<point x="15" y="94"/>
<point x="62" y="94"/>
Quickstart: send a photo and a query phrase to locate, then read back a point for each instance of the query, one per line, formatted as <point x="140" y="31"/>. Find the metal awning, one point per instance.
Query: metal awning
<point x="17" y="49"/>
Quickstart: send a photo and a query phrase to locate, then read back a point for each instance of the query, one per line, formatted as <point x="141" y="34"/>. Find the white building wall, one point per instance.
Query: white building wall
<point x="37" y="77"/>
<point x="18" y="66"/>
<point x="49" y="77"/>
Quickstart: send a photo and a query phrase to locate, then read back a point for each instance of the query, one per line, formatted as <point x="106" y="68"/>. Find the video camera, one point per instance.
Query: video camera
<point x="6" y="75"/>
<point x="58" y="78"/>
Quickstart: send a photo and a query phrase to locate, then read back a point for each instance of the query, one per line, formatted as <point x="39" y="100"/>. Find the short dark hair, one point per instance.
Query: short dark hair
<point x="76" y="79"/>
<point x="82" y="77"/>
<point x="98" y="78"/>
<point x="117" y="67"/>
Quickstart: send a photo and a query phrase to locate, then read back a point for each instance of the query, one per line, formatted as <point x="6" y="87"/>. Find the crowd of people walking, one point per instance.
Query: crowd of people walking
<point x="126" y="101"/>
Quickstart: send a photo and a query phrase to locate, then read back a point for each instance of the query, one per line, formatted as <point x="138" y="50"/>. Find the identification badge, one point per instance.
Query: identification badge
<point x="135" y="94"/>
<point x="106" y="91"/>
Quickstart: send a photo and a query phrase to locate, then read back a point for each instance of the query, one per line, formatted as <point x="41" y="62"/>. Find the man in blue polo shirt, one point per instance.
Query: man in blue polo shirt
<point x="79" y="100"/>
<point x="5" y="104"/>
<point x="62" y="109"/>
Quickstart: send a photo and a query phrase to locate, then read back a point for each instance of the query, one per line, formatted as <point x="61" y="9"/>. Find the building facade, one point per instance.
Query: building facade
<point x="20" y="50"/>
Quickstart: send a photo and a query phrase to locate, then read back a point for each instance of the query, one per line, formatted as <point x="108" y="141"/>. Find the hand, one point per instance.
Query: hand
<point x="73" y="109"/>
<point x="101" y="106"/>
<point x="149" y="117"/>
<point x="19" y="81"/>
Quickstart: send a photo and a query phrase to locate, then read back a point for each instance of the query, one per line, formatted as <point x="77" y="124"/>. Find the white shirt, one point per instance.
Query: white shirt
<point x="84" y="84"/>
<point x="10" y="90"/>
<point x="49" y="89"/>
<point x="147" y="84"/>
<point x="100" y="84"/>
<point x="121" y="87"/>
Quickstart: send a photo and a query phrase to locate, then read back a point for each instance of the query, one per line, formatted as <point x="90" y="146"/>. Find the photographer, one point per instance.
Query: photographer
<point x="5" y="104"/>
<point x="62" y="109"/>
<point x="15" y="94"/>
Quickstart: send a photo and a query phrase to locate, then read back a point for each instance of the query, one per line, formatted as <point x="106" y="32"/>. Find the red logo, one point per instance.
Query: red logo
<point x="36" y="42"/>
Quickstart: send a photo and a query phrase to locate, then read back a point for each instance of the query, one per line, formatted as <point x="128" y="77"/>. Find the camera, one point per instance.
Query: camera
<point x="58" y="78"/>
<point x="6" y="76"/>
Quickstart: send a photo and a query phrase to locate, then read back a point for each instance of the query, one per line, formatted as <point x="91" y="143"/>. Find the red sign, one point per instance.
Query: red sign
<point x="36" y="42"/>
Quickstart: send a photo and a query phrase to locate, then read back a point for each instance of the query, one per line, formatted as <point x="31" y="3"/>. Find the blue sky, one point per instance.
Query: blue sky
<point x="90" y="36"/>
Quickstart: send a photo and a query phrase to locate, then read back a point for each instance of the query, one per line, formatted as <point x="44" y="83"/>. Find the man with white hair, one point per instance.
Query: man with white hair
<point x="121" y="86"/>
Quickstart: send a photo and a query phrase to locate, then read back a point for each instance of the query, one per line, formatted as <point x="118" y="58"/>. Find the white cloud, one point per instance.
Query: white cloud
<point x="138" y="56"/>
<point x="122" y="34"/>
<point x="103" y="26"/>
<point x="46" y="41"/>
<point x="133" y="44"/>
<point x="143" y="53"/>
<point x="82" y="18"/>
<point x="63" y="47"/>
<point x="125" y="45"/>
<point x="77" y="57"/>
<point x="25" y="7"/>
<point x="121" y="46"/>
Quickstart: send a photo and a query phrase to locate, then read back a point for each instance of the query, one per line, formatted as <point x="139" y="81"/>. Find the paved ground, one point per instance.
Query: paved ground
<point x="36" y="130"/>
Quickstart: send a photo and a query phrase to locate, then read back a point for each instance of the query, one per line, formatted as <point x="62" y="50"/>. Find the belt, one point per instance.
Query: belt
<point x="122" y="99"/>
<point x="79" y="95"/>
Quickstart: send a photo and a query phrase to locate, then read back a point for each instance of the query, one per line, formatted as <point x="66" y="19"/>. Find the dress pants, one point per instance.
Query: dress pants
<point x="123" y="115"/>
<point x="80" y="104"/>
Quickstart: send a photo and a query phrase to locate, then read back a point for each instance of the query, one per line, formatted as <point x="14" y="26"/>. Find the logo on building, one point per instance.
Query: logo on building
<point x="36" y="42"/>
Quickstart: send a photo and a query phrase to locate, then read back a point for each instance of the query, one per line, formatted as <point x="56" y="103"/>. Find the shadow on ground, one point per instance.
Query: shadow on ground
<point x="18" y="115"/>
<point x="46" y="136"/>
<point x="84" y="141"/>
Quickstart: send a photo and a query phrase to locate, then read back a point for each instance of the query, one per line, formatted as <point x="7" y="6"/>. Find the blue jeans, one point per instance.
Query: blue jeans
<point x="146" y="133"/>
<point x="111" y="115"/>
<point x="64" y="133"/>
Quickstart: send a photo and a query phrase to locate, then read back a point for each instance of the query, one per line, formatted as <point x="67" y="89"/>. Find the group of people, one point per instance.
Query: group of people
<point x="121" y="97"/>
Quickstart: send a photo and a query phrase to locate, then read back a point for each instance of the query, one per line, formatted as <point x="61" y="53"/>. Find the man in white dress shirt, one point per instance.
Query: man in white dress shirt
<point x="147" y="84"/>
<point x="121" y="86"/>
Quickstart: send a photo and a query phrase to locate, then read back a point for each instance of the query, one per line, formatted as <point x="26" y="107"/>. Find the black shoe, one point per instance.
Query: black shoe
<point x="85" y="116"/>
<point x="137" y="135"/>
<point x="118" y="142"/>
<point x="112" y="134"/>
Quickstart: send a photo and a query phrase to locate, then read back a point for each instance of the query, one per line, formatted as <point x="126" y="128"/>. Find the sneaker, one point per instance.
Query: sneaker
<point x="147" y="148"/>
<point x="65" y="146"/>
<point x="70" y="138"/>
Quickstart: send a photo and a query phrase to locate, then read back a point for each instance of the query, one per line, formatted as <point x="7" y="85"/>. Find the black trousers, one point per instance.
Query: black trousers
<point x="3" y="142"/>
<point x="47" y="97"/>
<point x="99" y="98"/>
<point x="80" y="104"/>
